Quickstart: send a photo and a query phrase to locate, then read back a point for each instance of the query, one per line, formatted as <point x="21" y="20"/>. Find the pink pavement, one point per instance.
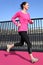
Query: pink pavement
<point x="19" y="58"/>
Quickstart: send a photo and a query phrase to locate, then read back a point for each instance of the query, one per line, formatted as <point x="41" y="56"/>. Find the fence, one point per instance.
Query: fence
<point x="8" y="34"/>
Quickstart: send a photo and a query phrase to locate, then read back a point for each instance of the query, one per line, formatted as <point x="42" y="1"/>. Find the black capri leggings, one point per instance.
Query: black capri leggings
<point x="24" y="38"/>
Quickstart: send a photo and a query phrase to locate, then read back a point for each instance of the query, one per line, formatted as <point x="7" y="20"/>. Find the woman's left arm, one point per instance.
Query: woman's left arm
<point x="30" y="21"/>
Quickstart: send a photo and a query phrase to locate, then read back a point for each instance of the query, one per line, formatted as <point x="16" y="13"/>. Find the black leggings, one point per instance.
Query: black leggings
<point x="24" y="38"/>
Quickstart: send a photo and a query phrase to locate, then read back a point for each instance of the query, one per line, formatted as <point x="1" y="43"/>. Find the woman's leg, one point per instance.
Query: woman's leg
<point x="9" y="46"/>
<point x="26" y="39"/>
<point x="20" y="43"/>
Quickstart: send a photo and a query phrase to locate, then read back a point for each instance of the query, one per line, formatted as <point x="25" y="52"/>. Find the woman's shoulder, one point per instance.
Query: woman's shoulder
<point x="18" y="12"/>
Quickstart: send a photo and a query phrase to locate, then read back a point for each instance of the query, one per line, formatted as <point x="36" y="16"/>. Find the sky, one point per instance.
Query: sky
<point x="9" y="7"/>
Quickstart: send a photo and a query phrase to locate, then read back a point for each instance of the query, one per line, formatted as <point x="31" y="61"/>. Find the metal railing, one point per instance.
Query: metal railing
<point x="8" y="34"/>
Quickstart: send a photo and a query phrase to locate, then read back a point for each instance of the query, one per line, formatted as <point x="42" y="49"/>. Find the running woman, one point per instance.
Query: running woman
<point x="24" y="19"/>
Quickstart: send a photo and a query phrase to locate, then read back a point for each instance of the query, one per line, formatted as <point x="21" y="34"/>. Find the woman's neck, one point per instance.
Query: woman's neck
<point x="24" y="11"/>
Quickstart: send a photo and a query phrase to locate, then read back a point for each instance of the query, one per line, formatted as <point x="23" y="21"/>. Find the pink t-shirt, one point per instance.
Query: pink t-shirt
<point x="24" y="19"/>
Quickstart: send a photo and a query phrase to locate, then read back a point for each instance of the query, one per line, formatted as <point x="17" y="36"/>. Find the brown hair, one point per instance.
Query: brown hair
<point x="23" y="3"/>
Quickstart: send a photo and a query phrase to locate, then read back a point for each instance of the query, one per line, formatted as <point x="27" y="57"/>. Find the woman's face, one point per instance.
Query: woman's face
<point x="26" y="6"/>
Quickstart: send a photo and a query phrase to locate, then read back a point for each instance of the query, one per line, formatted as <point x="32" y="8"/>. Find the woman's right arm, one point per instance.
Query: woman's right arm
<point x="17" y="15"/>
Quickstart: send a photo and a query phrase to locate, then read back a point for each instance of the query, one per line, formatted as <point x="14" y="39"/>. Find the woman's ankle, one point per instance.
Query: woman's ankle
<point x="31" y="56"/>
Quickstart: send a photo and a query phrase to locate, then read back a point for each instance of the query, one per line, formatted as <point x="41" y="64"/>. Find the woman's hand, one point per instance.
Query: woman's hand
<point x="19" y="24"/>
<point x="32" y="21"/>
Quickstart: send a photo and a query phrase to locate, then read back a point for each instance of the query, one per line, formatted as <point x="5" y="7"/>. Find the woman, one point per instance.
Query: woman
<point x="24" y="18"/>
